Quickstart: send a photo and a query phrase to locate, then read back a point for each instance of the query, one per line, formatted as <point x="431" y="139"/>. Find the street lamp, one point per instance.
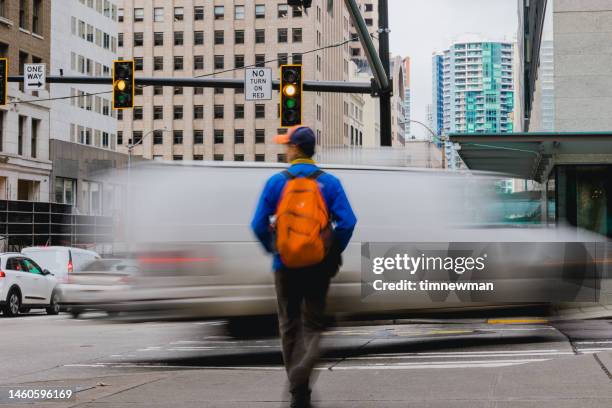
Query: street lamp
<point x="130" y="148"/>
<point x="434" y="136"/>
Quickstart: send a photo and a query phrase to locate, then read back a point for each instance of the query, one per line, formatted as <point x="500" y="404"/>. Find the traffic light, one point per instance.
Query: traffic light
<point x="123" y="84"/>
<point x="3" y="81"/>
<point x="291" y="95"/>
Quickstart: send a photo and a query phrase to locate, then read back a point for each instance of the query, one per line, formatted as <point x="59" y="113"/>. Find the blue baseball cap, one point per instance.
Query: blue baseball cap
<point x="301" y="136"/>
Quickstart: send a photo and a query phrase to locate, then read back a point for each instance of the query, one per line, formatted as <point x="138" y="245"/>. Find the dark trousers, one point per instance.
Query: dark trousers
<point x="301" y="295"/>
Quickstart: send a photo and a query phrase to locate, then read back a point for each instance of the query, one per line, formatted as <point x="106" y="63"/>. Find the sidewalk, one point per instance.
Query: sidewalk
<point x="575" y="381"/>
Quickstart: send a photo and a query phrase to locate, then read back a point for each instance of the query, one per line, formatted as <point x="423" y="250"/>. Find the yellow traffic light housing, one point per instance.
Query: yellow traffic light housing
<point x="3" y="81"/>
<point x="291" y="95"/>
<point x="123" y="84"/>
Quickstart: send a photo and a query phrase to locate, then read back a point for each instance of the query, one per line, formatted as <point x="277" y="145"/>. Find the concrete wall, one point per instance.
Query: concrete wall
<point x="583" y="65"/>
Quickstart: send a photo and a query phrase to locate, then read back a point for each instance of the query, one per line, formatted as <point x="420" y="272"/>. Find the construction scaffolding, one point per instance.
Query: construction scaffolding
<point x="30" y="223"/>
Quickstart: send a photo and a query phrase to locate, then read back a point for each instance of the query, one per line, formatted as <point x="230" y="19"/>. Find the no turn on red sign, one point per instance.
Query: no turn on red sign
<point x="258" y="84"/>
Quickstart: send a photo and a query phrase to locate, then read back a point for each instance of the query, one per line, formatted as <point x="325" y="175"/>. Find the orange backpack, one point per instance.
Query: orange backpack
<point x="302" y="222"/>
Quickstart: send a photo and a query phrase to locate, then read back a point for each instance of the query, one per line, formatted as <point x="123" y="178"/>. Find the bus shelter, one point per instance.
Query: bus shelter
<point x="574" y="171"/>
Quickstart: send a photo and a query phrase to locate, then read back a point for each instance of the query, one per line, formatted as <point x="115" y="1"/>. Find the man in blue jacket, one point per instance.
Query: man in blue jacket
<point x="301" y="292"/>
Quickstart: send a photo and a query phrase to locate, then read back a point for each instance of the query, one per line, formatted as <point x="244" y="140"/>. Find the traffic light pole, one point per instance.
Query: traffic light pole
<point x="311" y="86"/>
<point x="383" y="52"/>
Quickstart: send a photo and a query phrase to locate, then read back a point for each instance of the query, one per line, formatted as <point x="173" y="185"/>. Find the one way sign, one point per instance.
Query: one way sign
<point x="34" y="77"/>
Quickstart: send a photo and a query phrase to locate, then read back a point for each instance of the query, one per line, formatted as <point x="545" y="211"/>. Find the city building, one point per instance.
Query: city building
<point x="196" y="38"/>
<point x="397" y="101"/>
<point x="84" y="39"/>
<point x="437" y="97"/>
<point x="369" y="11"/>
<point x="407" y="106"/>
<point x="24" y="123"/>
<point x="478" y="87"/>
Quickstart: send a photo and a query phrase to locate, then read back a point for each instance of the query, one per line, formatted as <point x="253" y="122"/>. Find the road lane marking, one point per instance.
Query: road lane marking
<point x="518" y="321"/>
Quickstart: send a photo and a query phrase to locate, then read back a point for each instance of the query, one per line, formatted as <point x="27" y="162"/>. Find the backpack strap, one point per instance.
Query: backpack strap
<point x="288" y="174"/>
<point x="315" y="174"/>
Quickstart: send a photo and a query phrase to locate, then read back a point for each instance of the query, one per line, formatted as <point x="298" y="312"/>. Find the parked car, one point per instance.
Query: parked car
<point x="96" y="286"/>
<point x="61" y="261"/>
<point x="24" y="285"/>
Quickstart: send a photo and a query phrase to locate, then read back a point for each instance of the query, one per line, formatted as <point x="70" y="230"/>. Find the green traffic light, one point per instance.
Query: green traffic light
<point x="291" y="103"/>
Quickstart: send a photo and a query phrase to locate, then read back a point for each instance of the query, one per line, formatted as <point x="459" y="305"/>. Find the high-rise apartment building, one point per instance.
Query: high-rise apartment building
<point x="437" y="63"/>
<point x="478" y="87"/>
<point x="24" y="133"/>
<point x="84" y="41"/>
<point x="194" y="38"/>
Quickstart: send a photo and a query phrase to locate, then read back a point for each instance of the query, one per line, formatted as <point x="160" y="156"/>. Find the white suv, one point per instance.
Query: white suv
<point x="24" y="285"/>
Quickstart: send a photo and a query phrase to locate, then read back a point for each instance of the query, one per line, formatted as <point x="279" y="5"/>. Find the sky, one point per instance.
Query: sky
<point x="421" y="27"/>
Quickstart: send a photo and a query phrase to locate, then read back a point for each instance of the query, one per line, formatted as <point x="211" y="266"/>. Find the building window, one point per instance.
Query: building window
<point x="239" y="157"/>
<point x="297" y="58"/>
<point x="238" y="111"/>
<point x="158" y="38"/>
<point x="281" y="158"/>
<point x="219" y="91"/>
<point x="158" y="137"/>
<point x="218" y="157"/>
<point x="64" y="190"/>
<point x="138" y="63"/>
<point x="198" y="37"/>
<point x="219" y="12"/>
<point x="283" y="59"/>
<point x="219" y="37"/>
<point x="178" y="90"/>
<point x="158" y="63"/>
<point x="178" y="13"/>
<point x="198" y="13"/>
<point x="238" y="61"/>
<point x="282" y="36"/>
<point x="178" y="112"/>
<point x="283" y="11"/>
<point x="177" y="157"/>
<point x="198" y="112"/>
<point x="138" y="14"/>
<point x="36" y="18"/>
<point x="198" y="137"/>
<point x="296" y="35"/>
<point x="177" y="137"/>
<point x="198" y="90"/>
<point x="260" y="111"/>
<point x="198" y="62"/>
<point x="138" y="39"/>
<point x="239" y="13"/>
<point x="218" y="111"/>
<point x="158" y="14"/>
<point x="178" y="63"/>
<point x="260" y="157"/>
<point x="260" y="136"/>
<point x="136" y="138"/>
<point x="219" y="62"/>
<point x="260" y="36"/>
<point x="23" y="14"/>
<point x="239" y="37"/>
<point x="137" y="113"/>
<point x="260" y="11"/>
<point x="120" y="138"/>
<point x="34" y="135"/>
<point x="198" y="157"/>
<point x="260" y="60"/>
<point x="178" y="38"/>
<point x="218" y="136"/>
<point x="238" y="136"/>
<point x="158" y="112"/>
<point x="296" y="12"/>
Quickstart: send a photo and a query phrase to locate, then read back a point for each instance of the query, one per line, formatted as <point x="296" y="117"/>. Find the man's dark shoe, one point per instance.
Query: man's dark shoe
<point x="300" y="399"/>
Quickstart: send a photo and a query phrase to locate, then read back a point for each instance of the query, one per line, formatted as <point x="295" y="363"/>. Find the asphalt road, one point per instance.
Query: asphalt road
<point x="497" y="363"/>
